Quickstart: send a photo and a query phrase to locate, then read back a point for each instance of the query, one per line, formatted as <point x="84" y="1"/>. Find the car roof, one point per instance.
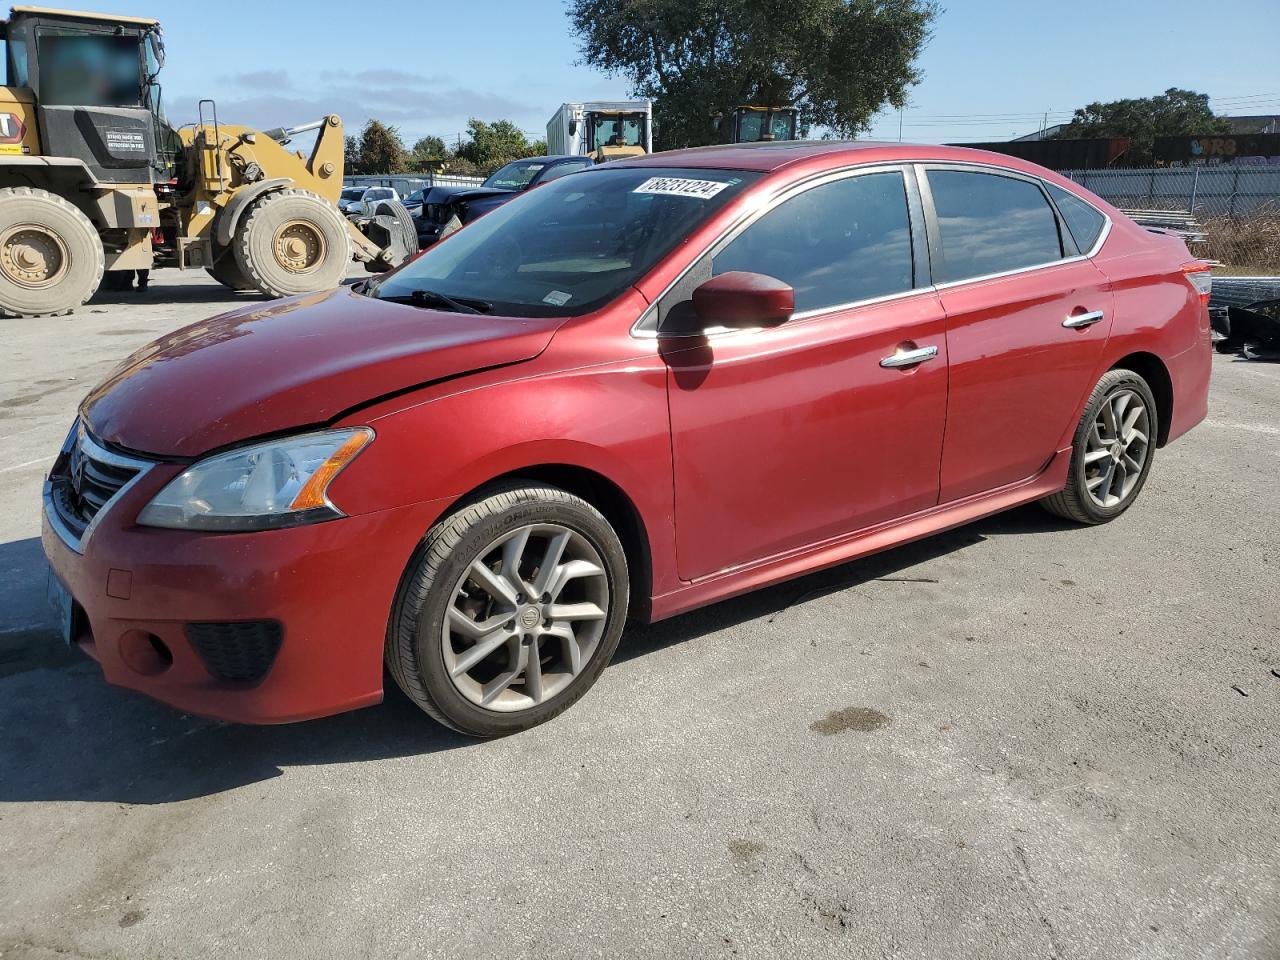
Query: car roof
<point x="775" y="155"/>
<point x="550" y="157"/>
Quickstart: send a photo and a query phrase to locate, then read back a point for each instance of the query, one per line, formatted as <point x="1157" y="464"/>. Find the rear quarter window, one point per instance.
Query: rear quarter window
<point x="1084" y="222"/>
<point x="989" y="223"/>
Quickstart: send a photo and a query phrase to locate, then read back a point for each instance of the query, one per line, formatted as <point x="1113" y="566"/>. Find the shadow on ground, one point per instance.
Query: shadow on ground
<point x="66" y="735"/>
<point x="158" y="293"/>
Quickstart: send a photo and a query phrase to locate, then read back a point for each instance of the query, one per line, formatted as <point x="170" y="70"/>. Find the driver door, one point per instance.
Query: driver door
<point x="789" y="436"/>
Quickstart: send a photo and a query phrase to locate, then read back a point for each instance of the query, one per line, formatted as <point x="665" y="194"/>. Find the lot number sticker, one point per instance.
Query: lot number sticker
<point x="680" y="187"/>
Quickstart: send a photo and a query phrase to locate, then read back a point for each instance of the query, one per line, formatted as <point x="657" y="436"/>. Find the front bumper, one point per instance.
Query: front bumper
<point x="330" y="585"/>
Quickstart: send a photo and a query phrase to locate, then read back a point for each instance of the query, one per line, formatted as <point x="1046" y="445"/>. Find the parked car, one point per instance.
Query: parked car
<point x="632" y="392"/>
<point x="445" y="209"/>
<point x="413" y="202"/>
<point x="364" y="200"/>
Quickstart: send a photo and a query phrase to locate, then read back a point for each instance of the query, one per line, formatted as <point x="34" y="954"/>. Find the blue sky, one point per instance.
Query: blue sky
<point x="991" y="71"/>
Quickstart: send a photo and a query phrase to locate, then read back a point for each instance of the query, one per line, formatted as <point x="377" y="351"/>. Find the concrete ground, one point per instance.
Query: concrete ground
<point x="1020" y="739"/>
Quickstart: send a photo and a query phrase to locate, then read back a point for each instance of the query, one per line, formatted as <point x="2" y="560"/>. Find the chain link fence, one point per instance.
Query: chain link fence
<point x="1227" y="191"/>
<point x="1237" y="207"/>
<point x="405" y="184"/>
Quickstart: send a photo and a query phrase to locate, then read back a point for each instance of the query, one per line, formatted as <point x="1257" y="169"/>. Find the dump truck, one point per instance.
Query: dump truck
<point x="94" y="180"/>
<point x="755" y="124"/>
<point x="603" y="130"/>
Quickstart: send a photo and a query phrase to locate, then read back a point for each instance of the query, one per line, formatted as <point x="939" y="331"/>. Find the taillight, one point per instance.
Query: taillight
<point x="1200" y="276"/>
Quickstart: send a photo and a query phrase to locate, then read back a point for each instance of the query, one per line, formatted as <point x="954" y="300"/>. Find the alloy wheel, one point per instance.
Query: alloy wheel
<point x="525" y="618"/>
<point x="1117" y="448"/>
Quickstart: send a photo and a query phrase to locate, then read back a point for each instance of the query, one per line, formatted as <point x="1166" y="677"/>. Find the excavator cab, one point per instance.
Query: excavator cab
<point x="611" y="135"/>
<point x="761" y="124"/>
<point x="96" y="99"/>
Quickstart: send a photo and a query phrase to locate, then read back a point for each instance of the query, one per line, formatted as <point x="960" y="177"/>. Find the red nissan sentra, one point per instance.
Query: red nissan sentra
<point x="630" y="392"/>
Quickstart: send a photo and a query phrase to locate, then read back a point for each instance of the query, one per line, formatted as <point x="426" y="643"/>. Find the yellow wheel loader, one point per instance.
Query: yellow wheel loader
<point x="93" y="179"/>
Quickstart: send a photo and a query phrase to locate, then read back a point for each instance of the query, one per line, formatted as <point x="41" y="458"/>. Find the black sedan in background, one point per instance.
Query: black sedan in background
<point x="445" y="209"/>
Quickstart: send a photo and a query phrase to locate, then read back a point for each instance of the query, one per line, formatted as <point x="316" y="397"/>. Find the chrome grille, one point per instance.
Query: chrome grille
<point x="85" y="478"/>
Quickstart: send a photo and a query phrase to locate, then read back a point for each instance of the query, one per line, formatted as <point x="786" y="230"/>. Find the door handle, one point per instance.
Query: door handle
<point x="909" y="358"/>
<point x="1078" y="320"/>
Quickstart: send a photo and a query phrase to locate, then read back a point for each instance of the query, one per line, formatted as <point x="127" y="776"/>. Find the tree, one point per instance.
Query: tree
<point x="490" y="145"/>
<point x="381" y="149"/>
<point x="1173" y="113"/>
<point x="426" y="153"/>
<point x="838" y="61"/>
<point x="351" y="155"/>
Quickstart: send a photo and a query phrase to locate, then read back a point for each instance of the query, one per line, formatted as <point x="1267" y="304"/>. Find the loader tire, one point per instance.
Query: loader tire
<point x="292" y="242"/>
<point x="227" y="271"/>
<point x="51" y="258"/>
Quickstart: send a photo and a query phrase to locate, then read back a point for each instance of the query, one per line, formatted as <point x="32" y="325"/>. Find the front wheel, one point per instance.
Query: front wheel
<point x="509" y="611"/>
<point x="292" y="242"/>
<point x="1112" y="451"/>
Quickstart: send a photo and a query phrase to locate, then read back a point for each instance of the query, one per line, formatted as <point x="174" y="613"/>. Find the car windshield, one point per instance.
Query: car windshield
<point x="515" y="175"/>
<point x="352" y="193"/>
<point x="415" y="196"/>
<point x="570" y="246"/>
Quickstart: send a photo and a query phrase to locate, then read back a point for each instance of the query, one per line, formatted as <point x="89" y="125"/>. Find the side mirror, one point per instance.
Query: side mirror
<point x="744" y="300"/>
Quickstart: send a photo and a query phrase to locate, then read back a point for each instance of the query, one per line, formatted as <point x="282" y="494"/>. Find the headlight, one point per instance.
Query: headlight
<point x="281" y="483"/>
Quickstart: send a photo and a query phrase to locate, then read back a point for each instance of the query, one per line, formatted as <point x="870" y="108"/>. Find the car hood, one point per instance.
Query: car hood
<point x="292" y="364"/>
<point x="479" y="193"/>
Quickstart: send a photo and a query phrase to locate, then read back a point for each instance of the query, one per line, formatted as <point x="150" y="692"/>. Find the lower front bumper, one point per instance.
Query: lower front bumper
<point x="331" y="585"/>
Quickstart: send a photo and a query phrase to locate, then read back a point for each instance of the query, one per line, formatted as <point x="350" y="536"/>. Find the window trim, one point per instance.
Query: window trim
<point x="646" y="325"/>
<point x="920" y="202"/>
<point x="1064" y="233"/>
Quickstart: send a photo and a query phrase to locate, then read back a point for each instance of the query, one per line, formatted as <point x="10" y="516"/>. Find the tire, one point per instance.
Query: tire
<point x="227" y="271"/>
<point x="42" y="233"/>
<point x="1099" y="486"/>
<point x="407" y="229"/>
<point x="423" y="641"/>
<point x="322" y="247"/>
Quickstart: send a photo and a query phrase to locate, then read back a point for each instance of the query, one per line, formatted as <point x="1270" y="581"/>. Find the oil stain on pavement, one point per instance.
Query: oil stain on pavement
<point x="859" y="719"/>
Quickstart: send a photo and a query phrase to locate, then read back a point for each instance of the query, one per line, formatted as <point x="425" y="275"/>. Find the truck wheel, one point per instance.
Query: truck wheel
<point x="227" y="271"/>
<point x="292" y="242"/>
<point x="51" y="258"/>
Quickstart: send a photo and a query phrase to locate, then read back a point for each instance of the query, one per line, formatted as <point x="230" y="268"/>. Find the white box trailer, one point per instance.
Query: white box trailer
<point x="603" y="129"/>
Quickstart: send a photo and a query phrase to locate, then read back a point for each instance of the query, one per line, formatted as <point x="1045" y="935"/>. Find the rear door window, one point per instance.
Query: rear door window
<point x="989" y="223"/>
<point x="836" y="243"/>
<point x="1084" y="222"/>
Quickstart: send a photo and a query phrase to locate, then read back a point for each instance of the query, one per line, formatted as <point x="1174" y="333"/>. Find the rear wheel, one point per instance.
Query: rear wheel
<point x="51" y="258"/>
<point x="292" y="242"/>
<point x="226" y="270"/>
<point x="1112" y="451"/>
<point x="510" y="610"/>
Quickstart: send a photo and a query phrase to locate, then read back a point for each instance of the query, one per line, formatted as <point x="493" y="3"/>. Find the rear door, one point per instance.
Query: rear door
<point x="1027" y="319"/>
<point x="788" y="436"/>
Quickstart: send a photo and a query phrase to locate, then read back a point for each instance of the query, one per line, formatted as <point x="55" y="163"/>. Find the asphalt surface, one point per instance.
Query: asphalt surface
<point x="1020" y="739"/>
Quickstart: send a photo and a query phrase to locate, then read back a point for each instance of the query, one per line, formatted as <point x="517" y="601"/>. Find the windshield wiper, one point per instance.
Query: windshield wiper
<point x="433" y="298"/>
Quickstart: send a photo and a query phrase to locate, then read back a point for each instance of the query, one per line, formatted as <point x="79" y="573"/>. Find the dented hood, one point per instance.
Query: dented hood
<point x="295" y="363"/>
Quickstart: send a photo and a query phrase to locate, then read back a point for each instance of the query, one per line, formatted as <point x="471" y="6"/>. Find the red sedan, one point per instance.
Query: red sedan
<point x="633" y="391"/>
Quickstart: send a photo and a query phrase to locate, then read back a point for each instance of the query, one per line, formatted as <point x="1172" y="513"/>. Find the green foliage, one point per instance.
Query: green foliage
<point x="839" y="61"/>
<point x="490" y="145"/>
<point x="381" y="149"/>
<point x="1173" y="113"/>
<point x="427" y="153"/>
<point x="351" y="155"/>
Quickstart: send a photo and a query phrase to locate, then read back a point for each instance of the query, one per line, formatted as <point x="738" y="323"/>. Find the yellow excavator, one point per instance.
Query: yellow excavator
<point x="94" y="181"/>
